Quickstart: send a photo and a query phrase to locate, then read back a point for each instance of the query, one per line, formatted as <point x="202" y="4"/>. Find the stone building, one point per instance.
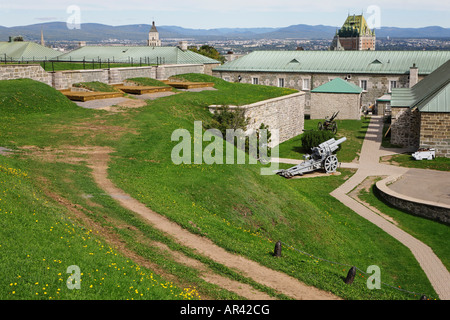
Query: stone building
<point x="355" y="34"/>
<point x="375" y="72"/>
<point x="421" y="114"/>
<point x="337" y="95"/>
<point x="153" y="37"/>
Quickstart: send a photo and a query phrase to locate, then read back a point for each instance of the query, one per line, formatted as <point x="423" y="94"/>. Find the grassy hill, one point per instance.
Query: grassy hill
<point x="55" y="202"/>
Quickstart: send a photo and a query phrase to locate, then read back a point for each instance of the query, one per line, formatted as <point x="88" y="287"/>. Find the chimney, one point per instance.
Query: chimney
<point x="183" y="45"/>
<point x="413" y="75"/>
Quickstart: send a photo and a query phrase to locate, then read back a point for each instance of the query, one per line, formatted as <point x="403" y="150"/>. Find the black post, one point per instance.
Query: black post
<point x="277" y="251"/>
<point x="350" y="275"/>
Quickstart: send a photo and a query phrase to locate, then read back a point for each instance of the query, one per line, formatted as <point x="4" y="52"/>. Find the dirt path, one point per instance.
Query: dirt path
<point x="279" y="281"/>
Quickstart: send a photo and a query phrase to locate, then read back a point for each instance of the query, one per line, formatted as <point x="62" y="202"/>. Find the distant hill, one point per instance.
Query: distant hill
<point x="58" y="31"/>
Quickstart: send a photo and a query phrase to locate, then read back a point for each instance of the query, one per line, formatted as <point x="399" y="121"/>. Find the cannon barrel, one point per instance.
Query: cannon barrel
<point x="331" y="145"/>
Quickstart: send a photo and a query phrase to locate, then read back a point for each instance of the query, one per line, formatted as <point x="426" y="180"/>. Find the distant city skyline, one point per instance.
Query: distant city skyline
<point x="207" y="14"/>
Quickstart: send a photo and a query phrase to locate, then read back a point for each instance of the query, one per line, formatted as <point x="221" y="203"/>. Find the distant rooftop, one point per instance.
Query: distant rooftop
<point x="342" y="62"/>
<point x="126" y="54"/>
<point x="26" y="51"/>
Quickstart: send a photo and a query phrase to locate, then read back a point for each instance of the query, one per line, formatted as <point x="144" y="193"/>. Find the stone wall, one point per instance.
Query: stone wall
<point x="325" y="104"/>
<point x="65" y="79"/>
<point x="119" y="75"/>
<point x="435" y="132"/>
<point x="405" y="127"/>
<point x="377" y="84"/>
<point x="164" y="72"/>
<point x="436" y="212"/>
<point x="20" y="71"/>
<point x="283" y="113"/>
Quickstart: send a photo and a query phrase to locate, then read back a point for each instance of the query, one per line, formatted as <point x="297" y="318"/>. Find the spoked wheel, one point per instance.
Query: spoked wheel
<point x="331" y="164"/>
<point x="334" y="127"/>
<point x="320" y="126"/>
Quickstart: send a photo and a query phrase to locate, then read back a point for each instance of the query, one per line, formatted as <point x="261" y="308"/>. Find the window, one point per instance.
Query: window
<point x="392" y="85"/>
<point x="255" y="81"/>
<point x="306" y="84"/>
<point x="281" y="82"/>
<point x="363" y="84"/>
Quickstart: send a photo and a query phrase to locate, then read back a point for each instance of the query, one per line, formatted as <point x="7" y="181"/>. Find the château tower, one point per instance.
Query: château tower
<point x="355" y="34"/>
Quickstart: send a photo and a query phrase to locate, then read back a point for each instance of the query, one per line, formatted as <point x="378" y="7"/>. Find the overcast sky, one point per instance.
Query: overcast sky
<point x="208" y="14"/>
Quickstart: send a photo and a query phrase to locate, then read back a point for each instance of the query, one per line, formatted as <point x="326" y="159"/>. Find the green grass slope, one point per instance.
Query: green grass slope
<point x="245" y="212"/>
<point x="233" y="205"/>
<point x="26" y="96"/>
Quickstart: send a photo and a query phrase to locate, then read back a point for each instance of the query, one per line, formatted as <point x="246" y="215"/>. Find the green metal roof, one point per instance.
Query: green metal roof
<point x="431" y="94"/>
<point x="26" y="51"/>
<point x="355" y="25"/>
<point x="126" y="54"/>
<point x="338" y="85"/>
<point x="343" y="62"/>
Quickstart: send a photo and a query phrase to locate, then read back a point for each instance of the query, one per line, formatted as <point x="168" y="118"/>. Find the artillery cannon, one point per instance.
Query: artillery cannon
<point x="322" y="157"/>
<point x="329" y="124"/>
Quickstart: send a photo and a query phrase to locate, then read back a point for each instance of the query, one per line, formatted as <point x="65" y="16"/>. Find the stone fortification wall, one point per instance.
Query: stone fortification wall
<point x="435" y="132"/>
<point x="20" y="71"/>
<point x="405" y="127"/>
<point x="65" y="79"/>
<point x="325" y="104"/>
<point x="283" y="113"/>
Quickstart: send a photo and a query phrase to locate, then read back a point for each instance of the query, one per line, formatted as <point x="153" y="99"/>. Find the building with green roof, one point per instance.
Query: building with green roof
<point x="18" y="51"/>
<point x="136" y="54"/>
<point x="376" y="72"/>
<point x="421" y="114"/>
<point x="339" y="96"/>
<point x="338" y="85"/>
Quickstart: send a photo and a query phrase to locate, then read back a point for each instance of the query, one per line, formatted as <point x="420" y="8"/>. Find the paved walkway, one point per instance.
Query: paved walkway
<point x="369" y="166"/>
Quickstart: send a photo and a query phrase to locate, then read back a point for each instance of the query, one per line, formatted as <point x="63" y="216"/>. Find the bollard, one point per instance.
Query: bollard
<point x="350" y="275"/>
<point x="277" y="251"/>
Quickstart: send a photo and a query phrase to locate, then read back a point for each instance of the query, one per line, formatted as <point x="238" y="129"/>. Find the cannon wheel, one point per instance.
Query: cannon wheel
<point x="334" y="127"/>
<point x="320" y="126"/>
<point x="331" y="164"/>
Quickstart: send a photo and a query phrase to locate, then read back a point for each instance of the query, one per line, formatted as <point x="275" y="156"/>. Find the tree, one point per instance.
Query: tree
<point x="208" y="51"/>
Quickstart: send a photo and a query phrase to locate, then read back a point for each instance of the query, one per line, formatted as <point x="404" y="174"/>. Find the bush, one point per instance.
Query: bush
<point x="313" y="138"/>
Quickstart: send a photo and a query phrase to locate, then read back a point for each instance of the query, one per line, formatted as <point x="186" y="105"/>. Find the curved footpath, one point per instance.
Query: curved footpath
<point x="369" y="165"/>
<point x="277" y="280"/>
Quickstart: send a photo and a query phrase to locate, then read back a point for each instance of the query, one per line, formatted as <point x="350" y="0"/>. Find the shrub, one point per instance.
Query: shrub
<point x="313" y="138"/>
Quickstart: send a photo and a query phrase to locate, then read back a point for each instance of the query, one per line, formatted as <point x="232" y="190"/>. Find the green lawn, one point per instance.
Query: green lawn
<point x="233" y="205"/>
<point x="406" y="160"/>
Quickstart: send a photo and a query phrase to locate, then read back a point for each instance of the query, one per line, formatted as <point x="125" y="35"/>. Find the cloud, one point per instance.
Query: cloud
<point x="46" y="18"/>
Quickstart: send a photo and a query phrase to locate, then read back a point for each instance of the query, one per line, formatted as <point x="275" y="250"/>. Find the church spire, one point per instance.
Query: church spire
<point x="42" y="38"/>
